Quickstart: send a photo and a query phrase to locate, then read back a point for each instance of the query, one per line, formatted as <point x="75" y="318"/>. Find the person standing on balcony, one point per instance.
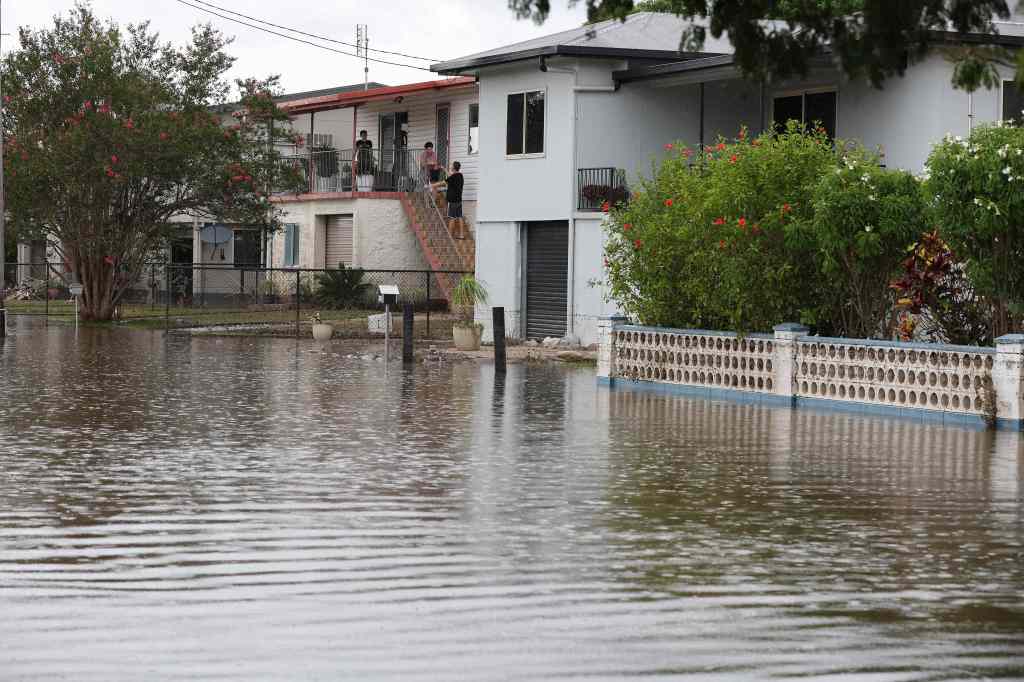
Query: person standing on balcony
<point x="364" y="154"/>
<point x="428" y="165"/>
<point x="456" y="223"/>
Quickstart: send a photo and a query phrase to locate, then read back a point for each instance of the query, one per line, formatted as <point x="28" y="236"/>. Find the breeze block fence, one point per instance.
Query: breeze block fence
<point x="943" y="383"/>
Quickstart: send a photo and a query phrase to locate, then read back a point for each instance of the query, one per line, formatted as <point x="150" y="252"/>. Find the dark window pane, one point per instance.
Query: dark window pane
<point x="1013" y="102"/>
<point x="514" y="135"/>
<point x="821" y="110"/>
<point x="534" y="122"/>
<point x="247" y="248"/>
<point x="474" y="115"/>
<point x="787" y="109"/>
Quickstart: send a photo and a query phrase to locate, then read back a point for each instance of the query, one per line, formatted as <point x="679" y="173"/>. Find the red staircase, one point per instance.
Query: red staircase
<point x="443" y="252"/>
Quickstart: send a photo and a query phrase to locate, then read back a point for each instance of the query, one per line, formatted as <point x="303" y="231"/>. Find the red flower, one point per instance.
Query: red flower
<point x="786" y="208"/>
<point x="606" y="207"/>
<point x="687" y="153"/>
<point x="720" y="146"/>
<point x="743" y="133"/>
<point x="129" y="124"/>
<point x="627" y="227"/>
<point x="669" y="147"/>
<point x="719" y="221"/>
<point x="113" y="158"/>
<point x="637" y="244"/>
<point x="733" y="158"/>
<point x="668" y="202"/>
<point x="87" y="104"/>
<point x="110" y="173"/>
<point x="163" y="135"/>
<point x="742" y="222"/>
<point x="708" y="150"/>
<point x="722" y="244"/>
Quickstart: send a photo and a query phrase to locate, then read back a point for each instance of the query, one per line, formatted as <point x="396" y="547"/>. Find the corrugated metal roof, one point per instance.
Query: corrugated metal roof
<point x="643" y="35"/>
<point x="348" y="99"/>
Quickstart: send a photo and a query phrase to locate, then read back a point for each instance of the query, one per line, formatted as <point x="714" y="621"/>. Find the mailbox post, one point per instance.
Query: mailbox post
<point x="388" y="295"/>
<point x="75" y="289"/>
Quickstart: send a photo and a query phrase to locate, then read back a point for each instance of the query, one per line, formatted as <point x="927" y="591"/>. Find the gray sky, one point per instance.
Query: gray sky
<point x="439" y="29"/>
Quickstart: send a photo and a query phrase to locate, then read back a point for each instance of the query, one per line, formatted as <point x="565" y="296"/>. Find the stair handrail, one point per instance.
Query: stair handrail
<point x="423" y="189"/>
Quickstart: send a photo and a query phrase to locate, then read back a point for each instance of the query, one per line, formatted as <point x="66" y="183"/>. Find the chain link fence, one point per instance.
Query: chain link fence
<point x="280" y="300"/>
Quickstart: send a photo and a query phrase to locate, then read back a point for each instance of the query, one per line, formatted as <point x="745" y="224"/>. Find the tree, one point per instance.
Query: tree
<point x="868" y="38"/>
<point x="109" y="133"/>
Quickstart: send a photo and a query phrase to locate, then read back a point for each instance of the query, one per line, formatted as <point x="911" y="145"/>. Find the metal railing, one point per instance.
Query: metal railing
<point x="597" y="186"/>
<point x="363" y="170"/>
<point x="189" y="295"/>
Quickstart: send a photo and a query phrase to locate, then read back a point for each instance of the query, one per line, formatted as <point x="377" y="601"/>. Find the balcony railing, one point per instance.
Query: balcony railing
<point x="365" y="170"/>
<point x="597" y="186"/>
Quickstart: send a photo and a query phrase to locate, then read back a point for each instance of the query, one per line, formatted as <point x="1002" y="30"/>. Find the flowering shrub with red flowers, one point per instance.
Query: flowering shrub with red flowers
<point x="714" y="239"/>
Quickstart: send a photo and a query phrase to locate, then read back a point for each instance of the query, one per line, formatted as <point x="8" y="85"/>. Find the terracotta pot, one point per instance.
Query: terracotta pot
<point x="322" y="332"/>
<point x="467" y="338"/>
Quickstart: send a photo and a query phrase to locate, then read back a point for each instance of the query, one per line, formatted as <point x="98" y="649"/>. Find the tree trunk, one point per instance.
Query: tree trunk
<point x="97" y="303"/>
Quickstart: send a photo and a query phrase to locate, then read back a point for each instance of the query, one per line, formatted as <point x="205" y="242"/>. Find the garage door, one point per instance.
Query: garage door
<point x="547" y="278"/>
<point x="339" y="241"/>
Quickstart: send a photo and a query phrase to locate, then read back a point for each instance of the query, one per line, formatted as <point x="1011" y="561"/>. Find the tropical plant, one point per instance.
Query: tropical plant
<point x="935" y="299"/>
<point x="110" y="133"/>
<point x="978" y="189"/>
<point x="341" y="288"/>
<point x="466" y="295"/>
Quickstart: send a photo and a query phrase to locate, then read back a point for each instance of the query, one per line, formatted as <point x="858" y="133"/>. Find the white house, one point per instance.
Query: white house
<point x="591" y="107"/>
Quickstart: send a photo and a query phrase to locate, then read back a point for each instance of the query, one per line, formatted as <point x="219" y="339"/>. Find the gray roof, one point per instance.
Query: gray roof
<point x="644" y="35"/>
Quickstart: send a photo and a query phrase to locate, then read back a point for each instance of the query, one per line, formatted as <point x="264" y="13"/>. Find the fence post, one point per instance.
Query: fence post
<point x="298" y="300"/>
<point x="167" y="297"/>
<point x="428" y="304"/>
<point x="1008" y="381"/>
<point x="46" y="289"/>
<point x="407" y="333"/>
<point x="606" y="346"/>
<point x="784" y="359"/>
<point x="498" y="315"/>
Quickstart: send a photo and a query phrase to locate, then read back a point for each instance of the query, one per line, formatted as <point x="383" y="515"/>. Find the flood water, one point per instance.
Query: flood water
<point x="243" y="509"/>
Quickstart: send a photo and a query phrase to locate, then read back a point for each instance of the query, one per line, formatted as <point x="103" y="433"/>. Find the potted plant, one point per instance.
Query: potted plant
<point x="322" y="331"/>
<point x="466" y="295"/>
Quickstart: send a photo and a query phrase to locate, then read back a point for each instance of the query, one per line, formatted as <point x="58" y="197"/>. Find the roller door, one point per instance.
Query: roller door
<point x="338" y="248"/>
<point x="547" y="278"/>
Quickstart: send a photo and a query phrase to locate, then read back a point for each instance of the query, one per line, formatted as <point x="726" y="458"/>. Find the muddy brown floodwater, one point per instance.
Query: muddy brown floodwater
<point x="243" y="509"/>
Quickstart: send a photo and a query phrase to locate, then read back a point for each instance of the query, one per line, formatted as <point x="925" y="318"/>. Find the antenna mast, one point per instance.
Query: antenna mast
<point x="363" y="50"/>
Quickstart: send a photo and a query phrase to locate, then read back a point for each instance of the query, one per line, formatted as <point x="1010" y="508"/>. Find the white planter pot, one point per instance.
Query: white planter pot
<point x="322" y="332"/>
<point x="364" y="183"/>
<point x="467" y="338"/>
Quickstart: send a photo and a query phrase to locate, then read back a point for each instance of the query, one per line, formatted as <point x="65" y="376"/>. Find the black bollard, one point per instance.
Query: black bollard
<point x="499" y="339"/>
<point x="407" y="333"/>
<point x="3" y="323"/>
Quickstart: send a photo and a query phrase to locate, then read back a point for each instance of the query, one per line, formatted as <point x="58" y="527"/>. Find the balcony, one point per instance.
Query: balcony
<point x="341" y="170"/>
<point x="597" y="186"/>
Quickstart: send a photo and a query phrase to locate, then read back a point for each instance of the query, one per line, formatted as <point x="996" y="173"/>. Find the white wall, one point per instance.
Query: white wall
<point x="912" y="113"/>
<point x="422" y="110"/>
<point x="499" y="257"/>
<point x="531" y="188"/>
<point x="381" y="235"/>
<point x="336" y="122"/>
<point x="588" y="301"/>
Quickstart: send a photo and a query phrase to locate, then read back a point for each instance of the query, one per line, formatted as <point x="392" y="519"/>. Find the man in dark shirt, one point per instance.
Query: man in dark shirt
<point x="456" y="223"/>
<point x="364" y="154"/>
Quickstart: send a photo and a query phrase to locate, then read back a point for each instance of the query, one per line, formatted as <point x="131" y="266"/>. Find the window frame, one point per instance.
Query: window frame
<point x="544" y="131"/>
<point x="802" y="94"/>
<point x="234" y="248"/>
<point x="470" y="151"/>
<point x="294" y="255"/>
<point x="1003" y="82"/>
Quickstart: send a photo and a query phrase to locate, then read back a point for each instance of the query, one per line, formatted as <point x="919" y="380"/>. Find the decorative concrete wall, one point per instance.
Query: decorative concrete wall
<point x="955" y="384"/>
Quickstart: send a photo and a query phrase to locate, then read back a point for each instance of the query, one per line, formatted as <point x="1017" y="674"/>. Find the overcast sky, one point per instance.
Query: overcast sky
<point x="441" y="29"/>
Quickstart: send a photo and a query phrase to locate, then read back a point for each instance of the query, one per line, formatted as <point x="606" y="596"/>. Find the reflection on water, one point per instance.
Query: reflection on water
<point x="264" y="509"/>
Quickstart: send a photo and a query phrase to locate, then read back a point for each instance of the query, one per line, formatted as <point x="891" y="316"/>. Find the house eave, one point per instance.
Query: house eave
<point x="459" y="66"/>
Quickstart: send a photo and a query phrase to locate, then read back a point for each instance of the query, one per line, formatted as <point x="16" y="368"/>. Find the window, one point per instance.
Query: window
<point x="1013" y="102"/>
<point x="291" y="245"/>
<point x="809" y="108"/>
<point x="247" y="248"/>
<point x="474" y="129"/>
<point x="525" y="124"/>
